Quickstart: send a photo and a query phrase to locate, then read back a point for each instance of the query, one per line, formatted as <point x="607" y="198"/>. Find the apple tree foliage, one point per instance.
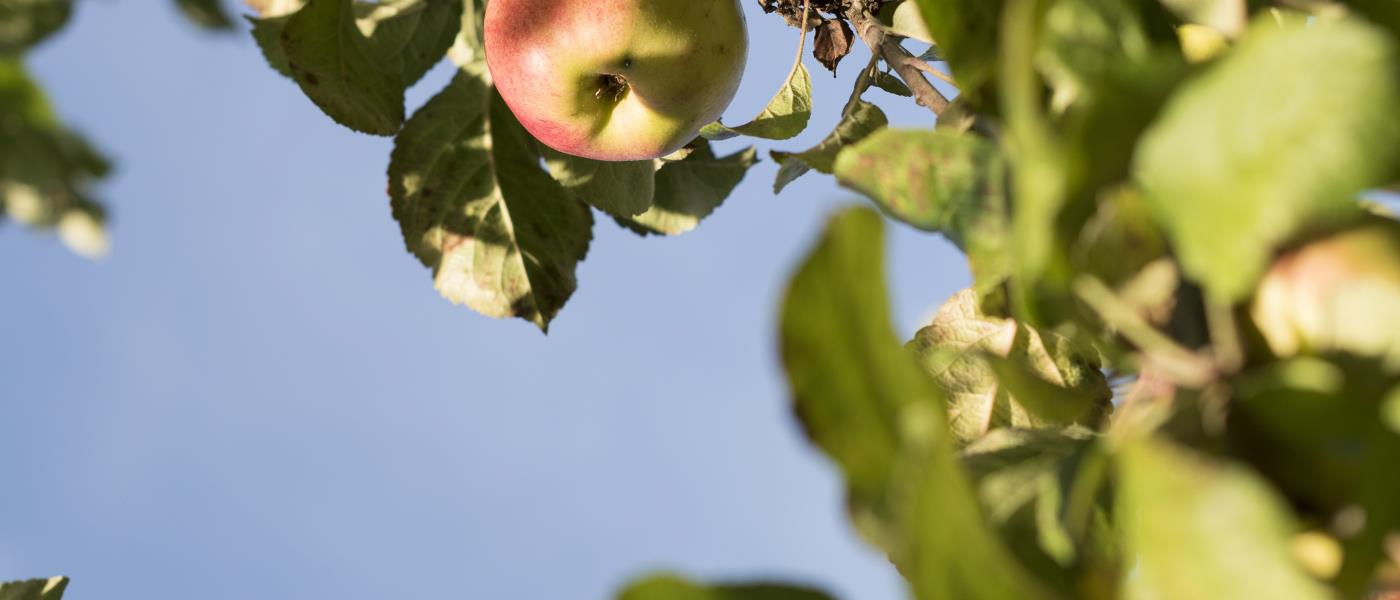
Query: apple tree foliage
<point x="1175" y="375"/>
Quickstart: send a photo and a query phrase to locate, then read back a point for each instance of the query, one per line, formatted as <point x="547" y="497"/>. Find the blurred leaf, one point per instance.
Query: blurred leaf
<point x="474" y="205"/>
<point x="1230" y="182"/>
<point x="937" y="180"/>
<point x="623" y="189"/>
<point x="34" y="589"/>
<point x="861" y="121"/>
<point x="672" y="587"/>
<point x="1225" y="16"/>
<point x="1041" y="489"/>
<point x="1315" y="427"/>
<point x="1201" y="528"/>
<point x="902" y="18"/>
<point x="45" y="170"/>
<point x="354" y="60"/>
<point x="209" y="14"/>
<point x="689" y="190"/>
<point x="785" y="116"/>
<point x="863" y="400"/>
<point x="967" y="34"/>
<point x="1120" y="239"/>
<point x="24" y="23"/>
<point x="1041" y="381"/>
<point x="850" y="378"/>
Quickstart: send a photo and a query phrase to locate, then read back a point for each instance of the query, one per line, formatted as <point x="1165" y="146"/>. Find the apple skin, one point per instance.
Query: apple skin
<point x="1340" y="292"/>
<point x="616" y="79"/>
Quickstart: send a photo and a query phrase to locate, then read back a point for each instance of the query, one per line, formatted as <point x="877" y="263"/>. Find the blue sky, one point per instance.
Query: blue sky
<point x="259" y="395"/>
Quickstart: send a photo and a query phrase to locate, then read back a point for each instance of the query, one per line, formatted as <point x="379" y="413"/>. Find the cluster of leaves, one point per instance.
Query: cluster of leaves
<point x="501" y="220"/>
<point x="1163" y="195"/>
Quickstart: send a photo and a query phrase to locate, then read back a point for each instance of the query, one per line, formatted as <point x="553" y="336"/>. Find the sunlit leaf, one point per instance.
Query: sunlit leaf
<point x="1230" y="182"/>
<point x="785" y="116"/>
<point x="937" y="180"/>
<point x="1037" y="380"/>
<point x="865" y="402"/>
<point x="354" y="60"/>
<point x="1204" y="529"/>
<point x="861" y="121"/>
<point x="500" y="235"/>
<point x="34" y="589"/>
<point x="689" y="190"/>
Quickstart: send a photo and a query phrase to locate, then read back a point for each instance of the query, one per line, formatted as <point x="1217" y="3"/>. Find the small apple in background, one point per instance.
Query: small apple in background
<point x="1336" y="293"/>
<point x="616" y="79"/>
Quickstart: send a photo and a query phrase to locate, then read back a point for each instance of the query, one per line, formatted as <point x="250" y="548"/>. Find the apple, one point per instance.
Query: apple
<point x="1340" y="292"/>
<point x="616" y="79"/>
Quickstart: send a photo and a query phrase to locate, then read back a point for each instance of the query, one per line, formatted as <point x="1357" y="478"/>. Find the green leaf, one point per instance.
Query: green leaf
<point x="267" y="33"/>
<point x="937" y="180"/>
<point x="1316" y="427"/>
<point x="1230" y="182"/>
<point x="34" y="589"/>
<point x="951" y="551"/>
<point x="967" y="36"/>
<point x="902" y="18"/>
<point x="864" y="401"/>
<point x="45" y="170"/>
<point x="996" y="372"/>
<point x="672" y="587"/>
<point x="209" y="14"/>
<point x="689" y="190"/>
<point x="24" y="23"/>
<point x="785" y="116"/>
<point x="474" y="205"/>
<point x="623" y="189"/>
<point x="1203" y="528"/>
<point x="412" y="35"/>
<point x="354" y="60"/>
<point x="892" y="84"/>
<point x="850" y="378"/>
<point x="1041" y="489"/>
<point x="864" y="118"/>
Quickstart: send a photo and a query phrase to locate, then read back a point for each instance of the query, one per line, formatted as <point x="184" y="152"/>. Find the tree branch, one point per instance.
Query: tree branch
<point x="906" y="65"/>
<point x="908" y="68"/>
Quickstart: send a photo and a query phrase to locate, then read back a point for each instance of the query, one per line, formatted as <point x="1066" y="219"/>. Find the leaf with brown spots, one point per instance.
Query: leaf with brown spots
<point x="938" y="180"/>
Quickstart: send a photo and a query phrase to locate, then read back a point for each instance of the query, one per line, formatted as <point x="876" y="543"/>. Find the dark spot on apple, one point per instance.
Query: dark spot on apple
<point x="311" y="79"/>
<point x="627" y="62"/>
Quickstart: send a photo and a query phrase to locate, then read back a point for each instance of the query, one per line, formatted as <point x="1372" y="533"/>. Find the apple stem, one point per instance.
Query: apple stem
<point x="611" y="87"/>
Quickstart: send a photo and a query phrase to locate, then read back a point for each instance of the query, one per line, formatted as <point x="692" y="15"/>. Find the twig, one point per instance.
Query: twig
<point x="862" y="84"/>
<point x="907" y="66"/>
<point x="928" y="68"/>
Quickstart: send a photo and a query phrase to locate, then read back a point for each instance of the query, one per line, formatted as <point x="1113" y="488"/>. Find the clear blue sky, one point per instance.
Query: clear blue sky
<point x="259" y="395"/>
